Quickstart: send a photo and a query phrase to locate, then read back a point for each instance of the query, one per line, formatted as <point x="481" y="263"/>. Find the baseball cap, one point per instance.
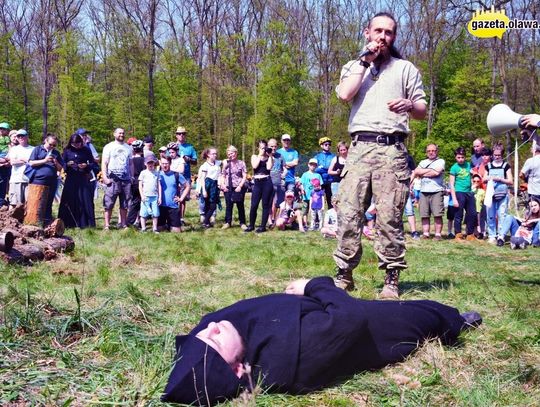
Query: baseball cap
<point x="315" y="182"/>
<point x="181" y="129"/>
<point x="286" y="137"/>
<point x="131" y="140"/>
<point x="162" y="148"/>
<point x="5" y="125"/>
<point x="80" y="131"/>
<point x="313" y="161"/>
<point x="325" y="139"/>
<point x="22" y="132"/>
<point x="150" y="158"/>
<point x="148" y="139"/>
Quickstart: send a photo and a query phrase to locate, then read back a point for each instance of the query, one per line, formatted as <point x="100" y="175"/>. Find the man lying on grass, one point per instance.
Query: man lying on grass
<point x="301" y="341"/>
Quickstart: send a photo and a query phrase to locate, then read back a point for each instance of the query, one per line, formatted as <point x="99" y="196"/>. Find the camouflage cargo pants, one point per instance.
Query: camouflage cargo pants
<point x="381" y="172"/>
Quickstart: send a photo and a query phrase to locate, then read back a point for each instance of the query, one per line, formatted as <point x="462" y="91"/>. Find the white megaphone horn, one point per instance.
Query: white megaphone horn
<point x="501" y="119"/>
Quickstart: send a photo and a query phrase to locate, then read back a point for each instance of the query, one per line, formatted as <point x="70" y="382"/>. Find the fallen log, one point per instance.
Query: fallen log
<point x="23" y="254"/>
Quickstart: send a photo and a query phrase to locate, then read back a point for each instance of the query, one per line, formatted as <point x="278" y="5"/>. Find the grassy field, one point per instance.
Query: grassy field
<point x="97" y="327"/>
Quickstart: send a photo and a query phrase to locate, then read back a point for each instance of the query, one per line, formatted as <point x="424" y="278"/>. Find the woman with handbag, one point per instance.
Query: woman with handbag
<point x="77" y="203"/>
<point x="232" y="180"/>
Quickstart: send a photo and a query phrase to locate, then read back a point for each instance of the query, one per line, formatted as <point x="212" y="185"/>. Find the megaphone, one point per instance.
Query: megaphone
<point x="501" y="119"/>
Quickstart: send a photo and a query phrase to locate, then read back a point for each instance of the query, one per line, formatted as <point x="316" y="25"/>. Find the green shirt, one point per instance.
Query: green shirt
<point x="462" y="174"/>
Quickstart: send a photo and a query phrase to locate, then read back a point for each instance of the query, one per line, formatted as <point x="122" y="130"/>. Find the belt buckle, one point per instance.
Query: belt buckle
<point x="383" y="140"/>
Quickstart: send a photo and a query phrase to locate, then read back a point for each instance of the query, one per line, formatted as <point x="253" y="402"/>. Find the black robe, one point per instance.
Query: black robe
<point x="297" y="344"/>
<point x="77" y="203"/>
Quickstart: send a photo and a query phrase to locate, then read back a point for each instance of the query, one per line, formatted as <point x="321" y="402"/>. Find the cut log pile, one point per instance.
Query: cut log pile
<point x="25" y="244"/>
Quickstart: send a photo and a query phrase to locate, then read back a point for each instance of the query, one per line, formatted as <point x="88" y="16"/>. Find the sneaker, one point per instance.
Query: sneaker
<point x="523" y="245"/>
<point x="344" y="280"/>
<point x="437" y="238"/>
<point x="225" y="226"/>
<point x="243" y="226"/>
<point x="367" y="233"/>
<point x="249" y="229"/>
<point x="425" y="237"/>
<point x="471" y="238"/>
<point x="415" y="235"/>
<point x="207" y="225"/>
<point x="500" y="242"/>
<point x="155" y="231"/>
<point x="513" y="246"/>
<point x="471" y="319"/>
<point x="460" y="236"/>
<point x="260" y="229"/>
<point x="493" y="240"/>
<point x="212" y="220"/>
<point x="143" y="230"/>
<point x="451" y="236"/>
<point x="106" y="228"/>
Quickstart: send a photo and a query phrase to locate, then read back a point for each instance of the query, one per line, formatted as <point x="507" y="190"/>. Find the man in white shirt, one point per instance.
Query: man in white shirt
<point x="431" y="174"/>
<point x="117" y="172"/>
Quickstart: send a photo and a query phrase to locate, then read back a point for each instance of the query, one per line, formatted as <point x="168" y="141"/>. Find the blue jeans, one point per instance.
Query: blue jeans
<point x="495" y="215"/>
<point x="511" y="224"/>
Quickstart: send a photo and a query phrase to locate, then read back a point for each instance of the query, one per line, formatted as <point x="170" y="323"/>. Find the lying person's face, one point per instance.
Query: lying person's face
<point x="223" y="337"/>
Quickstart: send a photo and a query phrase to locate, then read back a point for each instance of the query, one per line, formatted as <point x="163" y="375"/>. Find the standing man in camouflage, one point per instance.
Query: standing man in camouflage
<point x="385" y="91"/>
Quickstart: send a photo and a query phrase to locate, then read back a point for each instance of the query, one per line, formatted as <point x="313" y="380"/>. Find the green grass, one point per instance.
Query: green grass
<point x="97" y="326"/>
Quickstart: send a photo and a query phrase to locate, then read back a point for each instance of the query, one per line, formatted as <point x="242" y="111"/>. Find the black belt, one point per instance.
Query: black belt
<point x="379" y="138"/>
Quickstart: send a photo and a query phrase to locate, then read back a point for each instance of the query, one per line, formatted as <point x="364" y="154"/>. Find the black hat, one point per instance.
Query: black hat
<point x="149" y="139"/>
<point x="200" y="375"/>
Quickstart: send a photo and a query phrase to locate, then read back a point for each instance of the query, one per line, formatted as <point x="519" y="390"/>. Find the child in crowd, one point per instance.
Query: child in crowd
<point x="208" y="179"/>
<point x="316" y="204"/>
<point x="450" y="213"/>
<point x="329" y="229"/>
<point x="370" y="215"/>
<point x="462" y="195"/>
<point x="289" y="213"/>
<point x="307" y="186"/>
<point x="479" y="195"/>
<point x="150" y="191"/>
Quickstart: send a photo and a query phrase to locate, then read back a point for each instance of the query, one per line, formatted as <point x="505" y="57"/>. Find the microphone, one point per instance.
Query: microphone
<point x="365" y="53"/>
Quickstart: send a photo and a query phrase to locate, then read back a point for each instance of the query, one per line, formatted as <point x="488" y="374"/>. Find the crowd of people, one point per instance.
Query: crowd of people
<point x="157" y="187"/>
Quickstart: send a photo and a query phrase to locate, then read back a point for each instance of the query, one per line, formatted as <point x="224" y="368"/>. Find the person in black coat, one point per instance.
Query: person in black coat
<point x="300" y="343"/>
<point x="77" y="202"/>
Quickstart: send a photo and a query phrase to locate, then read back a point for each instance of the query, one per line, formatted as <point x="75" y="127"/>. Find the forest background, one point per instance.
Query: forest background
<point x="233" y="71"/>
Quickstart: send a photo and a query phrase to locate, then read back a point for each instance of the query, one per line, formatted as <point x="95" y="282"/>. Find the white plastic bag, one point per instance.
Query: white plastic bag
<point x="490" y="190"/>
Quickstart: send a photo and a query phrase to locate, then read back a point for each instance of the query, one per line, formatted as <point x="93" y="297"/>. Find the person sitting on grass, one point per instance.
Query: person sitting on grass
<point x="289" y="214"/>
<point x="150" y="190"/>
<point x="523" y="232"/>
<point x="329" y="229"/>
<point x="301" y="341"/>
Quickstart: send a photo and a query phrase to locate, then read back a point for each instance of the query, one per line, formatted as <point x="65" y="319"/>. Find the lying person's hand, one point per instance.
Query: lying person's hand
<point x="296" y="287"/>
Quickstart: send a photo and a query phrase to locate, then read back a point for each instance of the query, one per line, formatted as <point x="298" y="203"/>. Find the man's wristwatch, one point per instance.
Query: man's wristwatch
<point x="365" y="64"/>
